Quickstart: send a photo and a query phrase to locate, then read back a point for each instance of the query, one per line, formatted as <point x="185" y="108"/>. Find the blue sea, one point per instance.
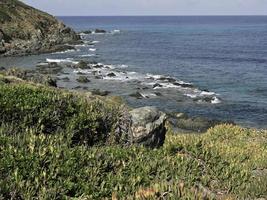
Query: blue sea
<point x="221" y="56"/>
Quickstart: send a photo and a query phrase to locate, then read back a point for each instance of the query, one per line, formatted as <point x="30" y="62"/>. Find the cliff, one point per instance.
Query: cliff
<point x="26" y="30"/>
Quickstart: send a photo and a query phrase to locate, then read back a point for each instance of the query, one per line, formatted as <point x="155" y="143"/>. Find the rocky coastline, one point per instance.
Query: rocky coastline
<point x="40" y="33"/>
<point x="43" y="33"/>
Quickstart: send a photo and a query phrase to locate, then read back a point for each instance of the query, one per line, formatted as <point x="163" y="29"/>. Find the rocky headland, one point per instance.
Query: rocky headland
<point x="25" y="30"/>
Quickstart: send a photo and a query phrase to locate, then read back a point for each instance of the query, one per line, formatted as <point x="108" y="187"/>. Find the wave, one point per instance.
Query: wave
<point x="67" y="60"/>
<point x="152" y="81"/>
<point x="87" y="55"/>
<point x="91" y="49"/>
<point x="67" y="51"/>
<point x="215" y="100"/>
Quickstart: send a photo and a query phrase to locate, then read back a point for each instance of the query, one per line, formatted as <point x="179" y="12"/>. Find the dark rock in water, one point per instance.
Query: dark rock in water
<point x="205" y="99"/>
<point x="98" y="77"/>
<point x="2" y="68"/>
<point x="83" y="79"/>
<point x="167" y="79"/>
<point x="145" y="88"/>
<point x="80" y="87"/>
<point x="80" y="73"/>
<point x="137" y="95"/>
<point x="111" y="74"/>
<point x="158" y="94"/>
<point x="156" y="85"/>
<point x="99" y="92"/>
<point x="65" y="79"/>
<point x="83" y="65"/>
<point x="98" y="66"/>
<point x="49" y="68"/>
<point x="87" y="32"/>
<point x="100" y="31"/>
<point x="148" y="127"/>
<point x="184" y="85"/>
<point x="196" y="124"/>
<point x="92" y="62"/>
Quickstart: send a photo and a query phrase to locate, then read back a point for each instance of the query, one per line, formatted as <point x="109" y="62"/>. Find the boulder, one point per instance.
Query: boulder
<point x="111" y="74"/>
<point x="83" y="79"/>
<point x="83" y="65"/>
<point x="100" y="31"/>
<point x="136" y="95"/>
<point x="147" y="127"/>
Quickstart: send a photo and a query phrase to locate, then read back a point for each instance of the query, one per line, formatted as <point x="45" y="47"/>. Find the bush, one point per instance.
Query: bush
<point x="51" y="111"/>
<point x="40" y="159"/>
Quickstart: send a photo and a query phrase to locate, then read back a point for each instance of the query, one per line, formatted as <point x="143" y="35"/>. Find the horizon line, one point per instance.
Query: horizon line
<point x="247" y="15"/>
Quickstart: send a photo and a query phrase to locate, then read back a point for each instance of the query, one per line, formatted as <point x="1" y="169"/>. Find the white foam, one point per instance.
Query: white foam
<point x="115" y="32"/>
<point x="215" y="100"/>
<point x="191" y="95"/>
<point x="87" y="55"/>
<point x="204" y="93"/>
<point x="81" y="45"/>
<point x="67" y="51"/>
<point x="84" y="71"/>
<point x="95" y="42"/>
<point x="94" y="33"/>
<point x="122" y="66"/>
<point x="67" y="60"/>
<point x="91" y="49"/>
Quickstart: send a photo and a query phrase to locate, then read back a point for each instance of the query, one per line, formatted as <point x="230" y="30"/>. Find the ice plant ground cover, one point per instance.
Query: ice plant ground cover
<point x="56" y="144"/>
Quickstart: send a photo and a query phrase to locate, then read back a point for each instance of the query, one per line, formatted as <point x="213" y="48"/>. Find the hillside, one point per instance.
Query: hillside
<point x="54" y="145"/>
<point x="26" y="30"/>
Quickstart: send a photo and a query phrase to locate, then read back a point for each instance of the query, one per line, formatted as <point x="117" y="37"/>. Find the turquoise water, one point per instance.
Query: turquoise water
<point x="224" y="55"/>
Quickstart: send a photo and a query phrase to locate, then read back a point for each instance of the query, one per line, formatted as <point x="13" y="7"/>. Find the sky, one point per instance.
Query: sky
<point x="150" y="7"/>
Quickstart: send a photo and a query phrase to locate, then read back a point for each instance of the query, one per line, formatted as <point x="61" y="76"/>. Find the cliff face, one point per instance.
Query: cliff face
<point x="26" y="30"/>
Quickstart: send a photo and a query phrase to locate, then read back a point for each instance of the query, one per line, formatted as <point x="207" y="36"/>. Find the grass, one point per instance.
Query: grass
<point x="40" y="159"/>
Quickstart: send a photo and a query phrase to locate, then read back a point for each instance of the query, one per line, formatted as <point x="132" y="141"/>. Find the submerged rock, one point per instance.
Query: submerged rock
<point x="83" y="79"/>
<point x="111" y="74"/>
<point x="83" y="65"/>
<point x="65" y="79"/>
<point x="136" y="95"/>
<point x="86" y="32"/>
<point x="196" y="124"/>
<point x="100" y="31"/>
<point x="100" y="93"/>
<point x="148" y="126"/>
<point x="157" y="85"/>
<point x="49" y="68"/>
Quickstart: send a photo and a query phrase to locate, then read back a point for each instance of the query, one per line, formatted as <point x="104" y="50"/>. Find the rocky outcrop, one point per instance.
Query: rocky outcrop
<point x="25" y="30"/>
<point x="142" y="126"/>
<point x="148" y="126"/>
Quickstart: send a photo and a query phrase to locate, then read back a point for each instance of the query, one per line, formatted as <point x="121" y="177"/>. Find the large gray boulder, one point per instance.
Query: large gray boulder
<point x="147" y="127"/>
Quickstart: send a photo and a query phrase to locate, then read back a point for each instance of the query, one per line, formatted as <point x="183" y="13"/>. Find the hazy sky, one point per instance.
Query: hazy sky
<point x="151" y="7"/>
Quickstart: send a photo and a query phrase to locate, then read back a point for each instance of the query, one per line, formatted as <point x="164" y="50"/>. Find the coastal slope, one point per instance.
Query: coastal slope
<point x="26" y="30"/>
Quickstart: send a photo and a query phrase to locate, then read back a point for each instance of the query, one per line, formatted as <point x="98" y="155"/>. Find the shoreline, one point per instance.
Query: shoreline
<point x="89" y="70"/>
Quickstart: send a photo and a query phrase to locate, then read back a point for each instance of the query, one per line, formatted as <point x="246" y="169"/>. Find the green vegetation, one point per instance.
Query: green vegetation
<point x="55" y="144"/>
